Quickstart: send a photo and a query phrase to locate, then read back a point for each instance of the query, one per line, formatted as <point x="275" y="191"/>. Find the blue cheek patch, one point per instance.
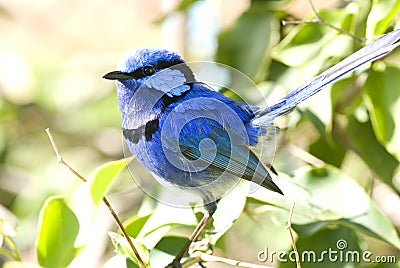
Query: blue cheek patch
<point x="177" y="91"/>
<point x="171" y="82"/>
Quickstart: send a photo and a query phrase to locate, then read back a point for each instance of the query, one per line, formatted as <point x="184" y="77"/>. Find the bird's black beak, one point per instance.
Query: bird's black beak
<point x="117" y="75"/>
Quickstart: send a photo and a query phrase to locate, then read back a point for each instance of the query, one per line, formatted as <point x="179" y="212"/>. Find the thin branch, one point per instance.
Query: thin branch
<point x="295" y="22"/>
<point x="304" y="155"/>
<point x="289" y="228"/>
<point x="191" y="261"/>
<point x="323" y="22"/>
<point x="105" y="200"/>
<point x="59" y="157"/>
<point x="200" y="257"/>
<point x="211" y="258"/>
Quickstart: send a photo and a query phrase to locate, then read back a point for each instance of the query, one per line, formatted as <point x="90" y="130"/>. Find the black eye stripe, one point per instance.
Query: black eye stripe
<point x="165" y="64"/>
<point x="140" y="73"/>
<point x="151" y="69"/>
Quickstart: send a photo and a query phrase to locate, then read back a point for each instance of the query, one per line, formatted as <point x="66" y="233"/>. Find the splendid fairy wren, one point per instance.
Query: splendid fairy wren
<point x="196" y="138"/>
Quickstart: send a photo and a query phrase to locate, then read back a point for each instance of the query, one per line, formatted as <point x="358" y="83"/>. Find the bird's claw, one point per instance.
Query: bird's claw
<point x="174" y="264"/>
<point x="202" y="246"/>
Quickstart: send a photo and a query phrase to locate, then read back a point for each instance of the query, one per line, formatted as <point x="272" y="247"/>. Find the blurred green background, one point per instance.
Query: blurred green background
<point x="53" y="54"/>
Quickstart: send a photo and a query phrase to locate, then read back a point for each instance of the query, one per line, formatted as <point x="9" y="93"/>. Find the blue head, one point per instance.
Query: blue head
<point x="156" y="71"/>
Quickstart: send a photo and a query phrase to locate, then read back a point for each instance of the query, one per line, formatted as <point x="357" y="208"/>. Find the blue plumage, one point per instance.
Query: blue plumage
<point x="166" y="117"/>
<point x="198" y="139"/>
<point x="181" y="123"/>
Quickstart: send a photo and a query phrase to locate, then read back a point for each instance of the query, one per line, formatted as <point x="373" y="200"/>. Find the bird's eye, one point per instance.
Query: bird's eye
<point x="148" y="70"/>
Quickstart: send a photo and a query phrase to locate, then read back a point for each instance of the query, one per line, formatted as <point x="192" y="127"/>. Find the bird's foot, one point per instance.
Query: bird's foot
<point x="199" y="247"/>
<point x="174" y="264"/>
<point x="196" y="249"/>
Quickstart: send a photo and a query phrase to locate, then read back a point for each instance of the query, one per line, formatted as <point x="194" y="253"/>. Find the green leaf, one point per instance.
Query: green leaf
<point x="315" y="44"/>
<point x="136" y="223"/>
<point x="346" y="95"/>
<point x="325" y="147"/>
<point x="162" y="219"/>
<point x="57" y="231"/>
<point x="151" y="228"/>
<point x="381" y="16"/>
<point x="120" y="262"/>
<point x="326" y="197"/>
<point x="313" y="47"/>
<point x="245" y="46"/>
<point x="383" y="97"/>
<point x="165" y="251"/>
<point x="229" y="210"/>
<point x="171" y="245"/>
<point x="327" y="150"/>
<point x="302" y="45"/>
<point x="341" y="242"/>
<point x="332" y="190"/>
<point x="364" y="142"/>
<point x="103" y="178"/>
<point x="122" y="247"/>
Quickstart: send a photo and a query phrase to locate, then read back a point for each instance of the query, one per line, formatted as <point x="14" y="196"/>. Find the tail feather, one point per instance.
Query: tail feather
<point x="270" y="185"/>
<point x="371" y="52"/>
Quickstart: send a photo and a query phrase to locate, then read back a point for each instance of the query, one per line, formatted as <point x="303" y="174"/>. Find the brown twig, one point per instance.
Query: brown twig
<point x="323" y="22"/>
<point x="304" y="155"/>
<point x="105" y="200"/>
<point x="289" y="228"/>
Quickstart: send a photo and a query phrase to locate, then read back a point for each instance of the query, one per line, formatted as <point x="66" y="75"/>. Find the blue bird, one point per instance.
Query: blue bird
<point x="198" y="139"/>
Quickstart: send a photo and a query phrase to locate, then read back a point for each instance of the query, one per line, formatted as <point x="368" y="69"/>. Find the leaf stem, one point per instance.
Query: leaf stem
<point x="13" y="253"/>
<point x="289" y="228"/>
<point x="11" y="243"/>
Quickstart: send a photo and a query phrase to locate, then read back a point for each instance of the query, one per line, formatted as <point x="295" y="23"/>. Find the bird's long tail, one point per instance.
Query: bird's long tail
<point x="373" y="51"/>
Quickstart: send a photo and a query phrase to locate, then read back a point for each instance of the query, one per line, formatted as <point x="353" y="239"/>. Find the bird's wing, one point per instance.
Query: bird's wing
<point x="371" y="52"/>
<point x="209" y="132"/>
